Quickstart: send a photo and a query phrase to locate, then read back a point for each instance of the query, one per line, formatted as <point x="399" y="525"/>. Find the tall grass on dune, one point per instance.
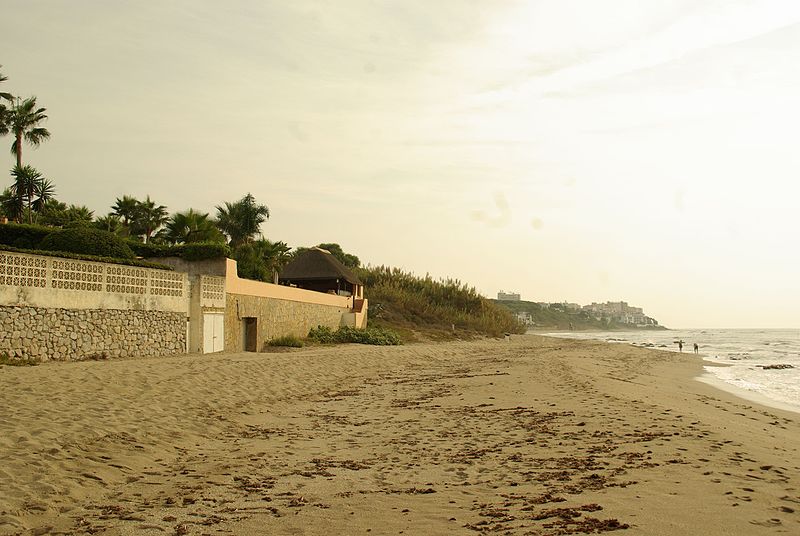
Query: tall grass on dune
<point x="403" y="299"/>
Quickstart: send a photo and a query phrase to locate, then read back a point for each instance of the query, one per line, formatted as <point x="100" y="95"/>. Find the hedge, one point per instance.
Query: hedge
<point x="23" y="235"/>
<point x="87" y="241"/>
<point x="194" y="251"/>
<point x="140" y="249"/>
<point x="92" y="258"/>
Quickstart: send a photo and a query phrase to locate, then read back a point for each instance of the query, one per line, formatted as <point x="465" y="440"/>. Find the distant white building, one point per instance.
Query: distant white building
<point x="507" y="296"/>
<point x="620" y="312"/>
<point x="524" y="317"/>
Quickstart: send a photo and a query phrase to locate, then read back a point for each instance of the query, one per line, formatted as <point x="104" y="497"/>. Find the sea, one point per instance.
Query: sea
<point x="744" y="353"/>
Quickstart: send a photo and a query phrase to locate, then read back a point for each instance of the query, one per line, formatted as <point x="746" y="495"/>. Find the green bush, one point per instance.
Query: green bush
<point x="140" y="249"/>
<point x="87" y="241"/>
<point x="198" y="251"/>
<point x="93" y="258"/>
<point x="376" y="336"/>
<point x="288" y="340"/>
<point x="22" y="235"/>
<point x="322" y="335"/>
<point x="194" y="251"/>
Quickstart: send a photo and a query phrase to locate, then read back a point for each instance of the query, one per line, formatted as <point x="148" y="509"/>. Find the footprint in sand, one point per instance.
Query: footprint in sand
<point x="773" y="522"/>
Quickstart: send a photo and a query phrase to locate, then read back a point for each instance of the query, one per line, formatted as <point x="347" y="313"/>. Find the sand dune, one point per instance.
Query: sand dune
<point x="528" y="436"/>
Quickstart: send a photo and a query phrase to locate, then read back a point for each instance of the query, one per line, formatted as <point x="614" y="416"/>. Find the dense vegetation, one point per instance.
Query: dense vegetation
<point x="556" y="316"/>
<point x="422" y="307"/>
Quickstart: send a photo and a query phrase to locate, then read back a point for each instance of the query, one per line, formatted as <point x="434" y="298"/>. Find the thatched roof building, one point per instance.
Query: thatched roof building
<point x="316" y="269"/>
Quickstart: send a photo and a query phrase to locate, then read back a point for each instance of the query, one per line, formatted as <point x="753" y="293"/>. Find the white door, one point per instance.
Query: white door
<point x="213" y="332"/>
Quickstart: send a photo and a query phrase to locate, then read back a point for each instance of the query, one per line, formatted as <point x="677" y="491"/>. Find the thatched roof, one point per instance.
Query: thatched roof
<point x="317" y="264"/>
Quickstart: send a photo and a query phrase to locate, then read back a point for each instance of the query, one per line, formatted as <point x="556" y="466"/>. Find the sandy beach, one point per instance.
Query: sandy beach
<point x="529" y="436"/>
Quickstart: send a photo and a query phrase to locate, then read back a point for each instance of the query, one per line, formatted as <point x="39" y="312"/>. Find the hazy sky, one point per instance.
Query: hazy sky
<point x="638" y="150"/>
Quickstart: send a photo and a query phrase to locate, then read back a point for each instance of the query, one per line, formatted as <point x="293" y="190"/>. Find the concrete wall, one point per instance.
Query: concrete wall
<point x="39" y="281"/>
<point x="248" y="287"/>
<point x="204" y="267"/>
<point x="55" y="308"/>
<point x="276" y="318"/>
<point x="357" y="317"/>
<point x="70" y="334"/>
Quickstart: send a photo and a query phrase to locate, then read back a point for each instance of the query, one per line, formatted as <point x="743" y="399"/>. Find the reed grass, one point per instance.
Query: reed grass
<point x="407" y="302"/>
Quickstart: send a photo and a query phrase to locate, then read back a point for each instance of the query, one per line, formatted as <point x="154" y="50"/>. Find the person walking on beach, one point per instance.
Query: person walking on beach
<point x="696" y="348"/>
<point x="680" y="345"/>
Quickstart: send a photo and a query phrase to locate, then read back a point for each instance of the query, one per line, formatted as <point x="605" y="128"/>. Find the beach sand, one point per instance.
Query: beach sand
<point x="533" y="435"/>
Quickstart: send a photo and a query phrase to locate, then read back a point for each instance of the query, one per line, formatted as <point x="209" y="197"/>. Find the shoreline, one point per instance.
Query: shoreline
<point x="708" y="378"/>
<point x="534" y="434"/>
<point x="745" y="394"/>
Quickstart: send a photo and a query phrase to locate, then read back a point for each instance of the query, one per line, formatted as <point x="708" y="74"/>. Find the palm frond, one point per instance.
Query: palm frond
<point x="37" y="135"/>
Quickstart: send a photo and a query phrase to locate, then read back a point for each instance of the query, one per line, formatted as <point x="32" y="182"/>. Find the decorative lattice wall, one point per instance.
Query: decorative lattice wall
<point x="126" y="280"/>
<point x="77" y="275"/>
<point x="212" y="291"/>
<point x="166" y="283"/>
<point x="20" y="270"/>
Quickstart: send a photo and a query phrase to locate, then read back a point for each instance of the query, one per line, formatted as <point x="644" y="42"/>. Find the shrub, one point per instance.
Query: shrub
<point x="322" y="335"/>
<point x="288" y="340"/>
<point x="93" y="258"/>
<point x="87" y="241"/>
<point x="140" y="249"/>
<point x="198" y="251"/>
<point x="376" y="336"/>
<point x="194" y="251"/>
<point x="22" y="235"/>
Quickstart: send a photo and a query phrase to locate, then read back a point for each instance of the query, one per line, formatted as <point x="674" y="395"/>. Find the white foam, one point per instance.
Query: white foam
<point x="746" y="394"/>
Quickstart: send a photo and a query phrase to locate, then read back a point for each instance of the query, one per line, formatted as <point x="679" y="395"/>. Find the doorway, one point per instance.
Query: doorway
<point x="250" y="334"/>
<point x="213" y="332"/>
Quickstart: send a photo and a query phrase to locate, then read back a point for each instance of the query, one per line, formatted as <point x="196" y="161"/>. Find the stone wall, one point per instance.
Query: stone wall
<point x="276" y="318"/>
<point x="72" y="334"/>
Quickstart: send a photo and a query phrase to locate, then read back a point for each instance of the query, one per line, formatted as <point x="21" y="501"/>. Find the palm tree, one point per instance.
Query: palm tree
<point x="46" y="191"/>
<point x="5" y="96"/>
<point x="58" y="214"/>
<point x="148" y="217"/>
<point x="191" y="226"/>
<point x="276" y="256"/>
<point x="241" y="220"/>
<point x="126" y="208"/>
<point x="110" y="223"/>
<point x="52" y="213"/>
<point x="22" y="119"/>
<point x="3" y="110"/>
<point x="10" y="205"/>
<point x="79" y="214"/>
<point x="29" y="183"/>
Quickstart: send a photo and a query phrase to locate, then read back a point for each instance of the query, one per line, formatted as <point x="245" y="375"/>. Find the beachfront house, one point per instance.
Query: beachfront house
<point x="316" y="269"/>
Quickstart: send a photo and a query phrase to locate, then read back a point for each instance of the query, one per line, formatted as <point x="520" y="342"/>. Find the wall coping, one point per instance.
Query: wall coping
<point x="247" y="287"/>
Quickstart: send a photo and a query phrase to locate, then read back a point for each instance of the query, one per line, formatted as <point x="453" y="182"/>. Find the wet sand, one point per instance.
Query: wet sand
<point x="530" y="436"/>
